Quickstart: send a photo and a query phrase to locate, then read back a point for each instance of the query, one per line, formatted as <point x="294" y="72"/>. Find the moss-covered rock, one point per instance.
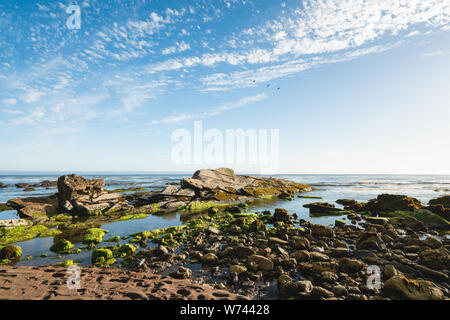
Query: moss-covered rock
<point x="66" y="263"/>
<point x="11" y="252"/>
<point x="94" y="236"/>
<point x="126" y="250"/>
<point x="103" y="257"/>
<point x="63" y="246"/>
<point x="19" y="234"/>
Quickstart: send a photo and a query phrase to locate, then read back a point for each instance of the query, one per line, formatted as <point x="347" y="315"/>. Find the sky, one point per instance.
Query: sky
<point x="352" y="86"/>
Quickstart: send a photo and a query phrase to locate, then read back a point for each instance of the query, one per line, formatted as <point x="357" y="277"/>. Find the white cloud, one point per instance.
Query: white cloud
<point x="32" y="95"/>
<point x="9" y="102"/>
<point x="180" y="117"/>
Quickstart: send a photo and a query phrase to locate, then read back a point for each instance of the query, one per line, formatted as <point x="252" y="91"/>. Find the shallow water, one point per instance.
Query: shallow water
<point x="331" y="188"/>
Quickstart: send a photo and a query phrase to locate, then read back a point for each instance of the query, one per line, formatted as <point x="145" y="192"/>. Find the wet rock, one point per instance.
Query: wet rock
<point x="435" y="258"/>
<point x="63" y="246"/>
<point x="392" y="203"/>
<point x="301" y="255"/>
<point x="319" y="292"/>
<point x="346" y="202"/>
<point x="182" y="273"/>
<point x="350" y="265"/>
<point x="339" y="290"/>
<point x="238" y="269"/>
<point x="210" y="258"/>
<point x="281" y="215"/>
<point x="263" y="263"/>
<point x="322" y="208"/>
<point x="370" y="240"/>
<point x="444" y="201"/>
<point x="243" y="252"/>
<point x="390" y="271"/>
<point x="302" y="243"/>
<point x="11" y="252"/>
<point x="319" y="231"/>
<point x="275" y="240"/>
<point x="413" y="289"/>
<point x="317" y="256"/>
<point x="432" y="242"/>
<point x="328" y="276"/>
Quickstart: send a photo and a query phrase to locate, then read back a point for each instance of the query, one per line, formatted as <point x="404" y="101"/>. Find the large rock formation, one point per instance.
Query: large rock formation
<point x="219" y="185"/>
<point x="86" y="197"/>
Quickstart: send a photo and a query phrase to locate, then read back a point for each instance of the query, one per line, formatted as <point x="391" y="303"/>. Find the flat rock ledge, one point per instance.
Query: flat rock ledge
<point x="50" y="283"/>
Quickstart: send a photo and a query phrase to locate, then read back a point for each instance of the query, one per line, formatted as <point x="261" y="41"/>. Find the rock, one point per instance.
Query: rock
<point x="319" y="231"/>
<point x="12" y="223"/>
<point x="2" y="185"/>
<point x="320" y="292"/>
<point x="238" y="269"/>
<point x="301" y="255"/>
<point x="370" y="240"/>
<point x="413" y="289"/>
<point x="339" y="290"/>
<point x="339" y="223"/>
<point x="377" y="220"/>
<point x="328" y="276"/>
<point x="182" y="273"/>
<point x="288" y="288"/>
<point x="322" y="208"/>
<point x="444" y="201"/>
<point x="390" y="271"/>
<point x="34" y="206"/>
<point x="263" y="263"/>
<point x="281" y="215"/>
<point x="73" y="187"/>
<point x="275" y="240"/>
<point x="170" y="189"/>
<point x="11" y="252"/>
<point x="432" y="242"/>
<point x="318" y="256"/>
<point x="63" y="246"/>
<point x="391" y="203"/>
<point x="243" y="252"/>
<point x="161" y="251"/>
<point x="103" y="257"/>
<point x="350" y="265"/>
<point x="213" y="230"/>
<point x="126" y="250"/>
<point x="86" y="197"/>
<point x="435" y="258"/>
<point x="257" y="225"/>
<point x="302" y="243"/>
<point x="346" y="202"/>
<point x="210" y="258"/>
<point x="94" y="236"/>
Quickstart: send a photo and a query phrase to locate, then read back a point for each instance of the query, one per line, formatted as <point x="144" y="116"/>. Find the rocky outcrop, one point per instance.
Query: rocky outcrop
<point x="34" y="206"/>
<point x="86" y="197"/>
<point x="440" y="206"/>
<point x="221" y="185"/>
<point x="389" y="203"/>
<point x="322" y="208"/>
<point x="2" y="185"/>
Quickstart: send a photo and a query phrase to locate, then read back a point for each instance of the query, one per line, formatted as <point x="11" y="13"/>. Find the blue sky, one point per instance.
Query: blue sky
<point x="364" y="85"/>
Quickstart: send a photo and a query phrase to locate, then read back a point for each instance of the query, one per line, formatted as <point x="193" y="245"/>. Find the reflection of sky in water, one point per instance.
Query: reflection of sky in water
<point x="331" y="188"/>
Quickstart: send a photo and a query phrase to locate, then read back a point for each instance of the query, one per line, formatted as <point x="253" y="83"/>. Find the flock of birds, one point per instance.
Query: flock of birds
<point x="268" y="85"/>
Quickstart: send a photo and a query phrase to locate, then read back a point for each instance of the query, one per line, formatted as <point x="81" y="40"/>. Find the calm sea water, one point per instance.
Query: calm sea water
<point x="331" y="188"/>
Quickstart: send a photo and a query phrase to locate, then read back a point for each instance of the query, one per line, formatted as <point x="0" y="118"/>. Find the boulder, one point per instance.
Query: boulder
<point x="413" y="289"/>
<point x="370" y="240"/>
<point x="34" y="206"/>
<point x="391" y="203"/>
<point x="261" y="262"/>
<point x="85" y="197"/>
<point x="322" y="208"/>
<point x="281" y="215"/>
<point x="435" y="258"/>
<point x="444" y="201"/>
<point x="2" y="185"/>
<point x="11" y="252"/>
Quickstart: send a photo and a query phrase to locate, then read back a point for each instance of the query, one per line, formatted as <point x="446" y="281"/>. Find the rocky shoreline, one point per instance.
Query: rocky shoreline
<point x="260" y="255"/>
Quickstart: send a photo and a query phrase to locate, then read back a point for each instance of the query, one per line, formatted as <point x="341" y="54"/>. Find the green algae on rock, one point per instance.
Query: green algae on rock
<point x="11" y="252"/>
<point x="19" y="234"/>
<point x="63" y="246"/>
<point x="94" y="236"/>
<point x="103" y="257"/>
